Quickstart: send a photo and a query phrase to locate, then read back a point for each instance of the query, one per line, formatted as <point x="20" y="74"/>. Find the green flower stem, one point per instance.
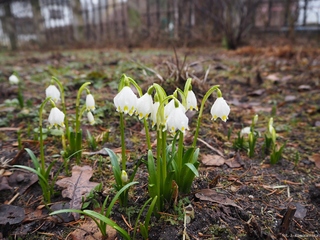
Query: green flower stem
<point x="206" y="96"/>
<point x="164" y="157"/>
<point x="20" y="95"/>
<point x="180" y="155"/>
<point x="123" y="144"/>
<point x="134" y="83"/>
<point x="40" y="132"/>
<point x="78" y="134"/>
<point x="159" y="170"/>
<point x="78" y="117"/>
<point x="63" y="103"/>
<point x="146" y="127"/>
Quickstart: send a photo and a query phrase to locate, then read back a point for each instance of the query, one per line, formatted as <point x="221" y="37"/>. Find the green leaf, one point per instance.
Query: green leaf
<point x="42" y="178"/>
<point x="108" y="221"/>
<point x="193" y="169"/>
<point x="115" y="166"/>
<point x="33" y="158"/>
<point x="115" y="198"/>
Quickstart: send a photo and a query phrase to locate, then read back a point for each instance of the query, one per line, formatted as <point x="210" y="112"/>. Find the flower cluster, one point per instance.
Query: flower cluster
<point x="174" y="112"/>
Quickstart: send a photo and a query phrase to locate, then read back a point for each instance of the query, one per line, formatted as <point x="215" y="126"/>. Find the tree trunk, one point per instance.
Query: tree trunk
<point x="78" y="23"/>
<point x="9" y="26"/>
<point x="38" y="23"/>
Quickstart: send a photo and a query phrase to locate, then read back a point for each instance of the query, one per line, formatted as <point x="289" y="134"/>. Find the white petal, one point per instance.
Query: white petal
<point x="144" y="106"/>
<point x="90" y="118"/>
<point x="13" y="79"/>
<point x="125" y="101"/>
<point x="90" y="103"/>
<point x="56" y="117"/>
<point x="245" y="130"/>
<point x="53" y="92"/>
<point x="177" y="120"/>
<point x="154" y="112"/>
<point x="170" y="106"/>
<point x="191" y="101"/>
<point x="220" y="109"/>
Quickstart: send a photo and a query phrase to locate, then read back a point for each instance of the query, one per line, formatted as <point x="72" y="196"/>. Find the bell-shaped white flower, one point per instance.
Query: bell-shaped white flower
<point x="220" y="109"/>
<point x="245" y="131"/>
<point x="90" y="118"/>
<point x="144" y="106"/>
<point x="191" y="101"/>
<point x="154" y="112"/>
<point x="170" y="106"/>
<point x="53" y="92"/>
<point x="126" y="101"/>
<point x="13" y="79"/>
<point x="56" y="117"/>
<point x="90" y="104"/>
<point x="177" y="120"/>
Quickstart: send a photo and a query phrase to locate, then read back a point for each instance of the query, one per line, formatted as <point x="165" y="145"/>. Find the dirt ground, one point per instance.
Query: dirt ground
<point x="235" y="197"/>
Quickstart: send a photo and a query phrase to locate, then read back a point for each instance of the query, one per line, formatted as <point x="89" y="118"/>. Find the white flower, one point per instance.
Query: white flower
<point x="245" y="130"/>
<point x="154" y="112"/>
<point x="13" y="79"/>
<point x="144" y="106"/>
<point x="124" y="176"/>
<point x="191" y="101"/>
<point x="220" y="109"/>
<point x="170" y="106"/>
<point x="90" y="118"/>
<point x="90" y="104"/>
<point x="177" y="120"/>
<point x="53" y="92"/>
<point x="56" y="117"/>
<point x="125" y="101"/>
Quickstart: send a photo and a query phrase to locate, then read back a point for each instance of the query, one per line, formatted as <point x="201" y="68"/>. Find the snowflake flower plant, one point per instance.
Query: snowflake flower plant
<point x="174" y="162"/>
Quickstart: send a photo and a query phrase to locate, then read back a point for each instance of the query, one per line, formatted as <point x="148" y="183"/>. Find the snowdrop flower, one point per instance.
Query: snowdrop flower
<point x="90" y="118"/>
<point x="13" y="79"/>
<point x="125" y="101"/>
<point x="191" y="101"/>
<point x="177" y="120"/>
<point x="154" y="112"/>
<point x="56" y="117"/>
<point x="144" y="106"/>
<point x="90" y="104"/>
<point x="245" y="130"/>
<point x="170" y="106"/>
<point x="53" y="92"/>
<point x="220" y="109"/>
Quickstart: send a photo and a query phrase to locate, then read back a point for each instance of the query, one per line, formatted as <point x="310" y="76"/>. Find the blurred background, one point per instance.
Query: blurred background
<point x="50" y="24"/>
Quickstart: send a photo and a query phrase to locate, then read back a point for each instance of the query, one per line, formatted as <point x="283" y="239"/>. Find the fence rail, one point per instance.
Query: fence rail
<point x="52" y="23"/>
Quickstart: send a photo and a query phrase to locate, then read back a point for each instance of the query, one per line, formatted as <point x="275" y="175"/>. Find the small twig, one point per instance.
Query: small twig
<point x="206" y="75"/>
<point x="287" y="218"/>
<point x="14" y="198"/>
<point x="212" y="148"/>
<point x="126" y="222"/>
<point x="149" y="69"/>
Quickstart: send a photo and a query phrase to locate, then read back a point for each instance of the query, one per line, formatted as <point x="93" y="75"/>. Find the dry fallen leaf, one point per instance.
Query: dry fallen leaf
<point x="213" y="196"/>
<point x="301" y="211"/>
<point x="4" y="184"/>
<point x="77" y="186"/>
<point x="11" y="214"/>
<point x="212" y="160"/>
<point x="234" y="162"/>
<point x="316" y="159"/>
<point x="90" y="231"/>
